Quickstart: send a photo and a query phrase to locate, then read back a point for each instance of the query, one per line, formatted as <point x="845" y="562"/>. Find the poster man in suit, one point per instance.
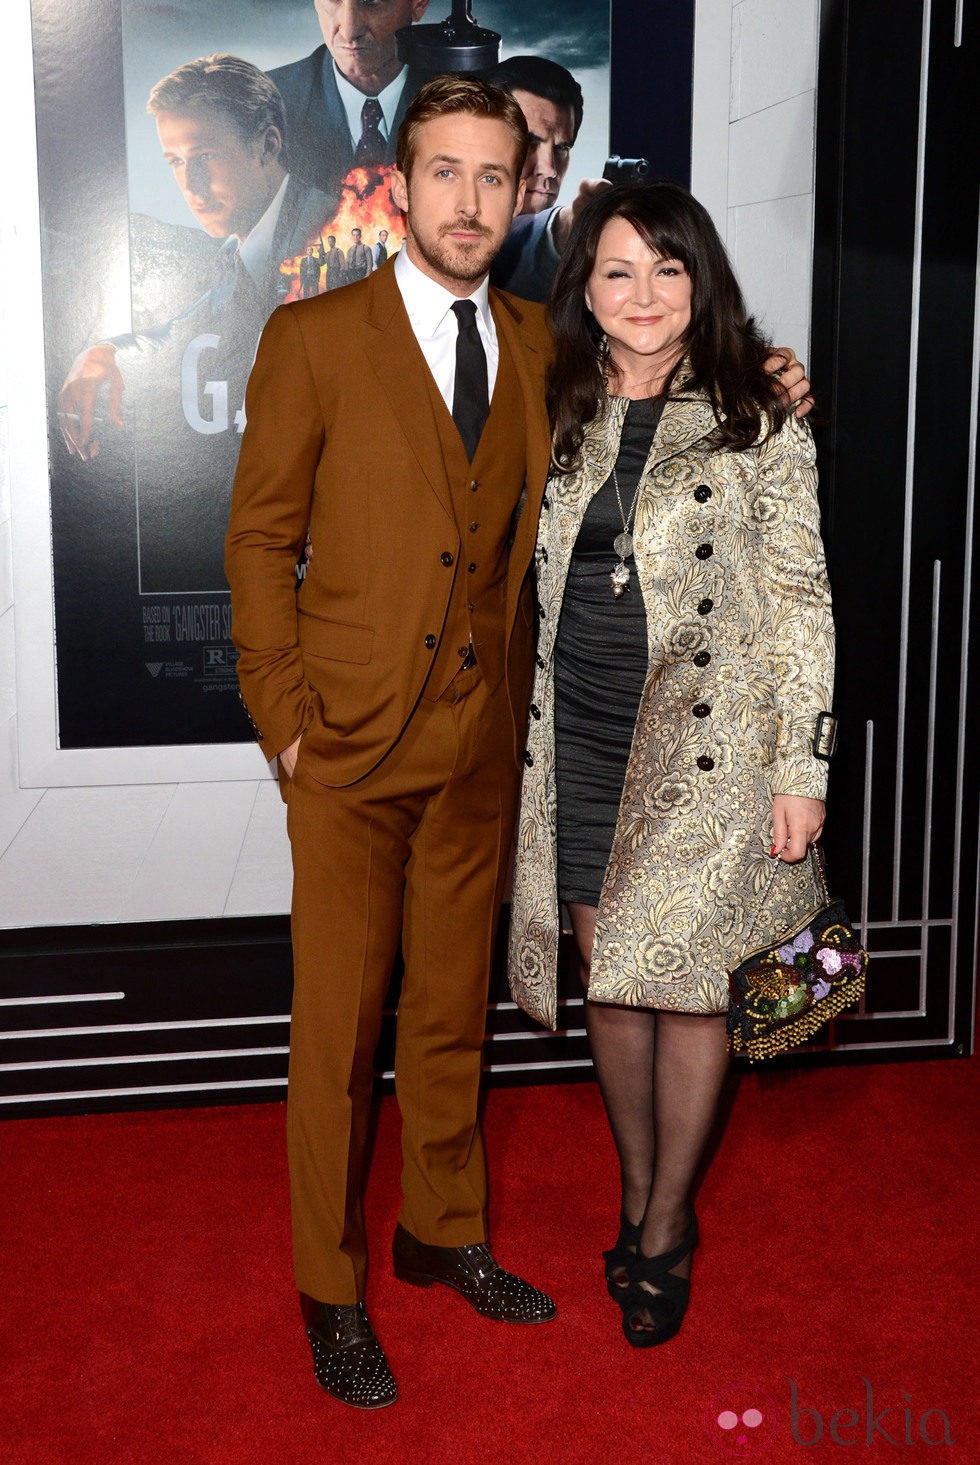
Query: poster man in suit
<point x="396" y="703"/>
<point x="222" y="131"/>
<point x="221" y="126"/>
<point x="345" y="101"/>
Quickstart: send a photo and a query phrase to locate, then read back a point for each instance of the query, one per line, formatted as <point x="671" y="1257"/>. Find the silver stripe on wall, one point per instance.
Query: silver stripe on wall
<point x="920" y="163"/>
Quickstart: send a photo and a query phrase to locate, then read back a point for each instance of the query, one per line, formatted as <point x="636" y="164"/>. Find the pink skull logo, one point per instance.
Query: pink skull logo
<point x="741" y="1419"/>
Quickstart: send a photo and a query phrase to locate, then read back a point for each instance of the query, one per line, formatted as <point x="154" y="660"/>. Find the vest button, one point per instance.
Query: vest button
<point x="446" y="558"/>
<point x="702" y="493"/>
<point x="430" y="641"/>
<point x="700" y="709"/>
<point x="705" y="605"/>
<point x="704" y="551"/>
<point x="705" y="763"/>
<point x="702" y="658"/>
<point x="535" y="712"/>
<point x="528" y="759"/>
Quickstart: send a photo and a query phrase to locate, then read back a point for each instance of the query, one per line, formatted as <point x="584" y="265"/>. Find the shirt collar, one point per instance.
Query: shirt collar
<point x="428" y="303"/>
<point x="353" y="101"/>
<point x="256" y="248"/>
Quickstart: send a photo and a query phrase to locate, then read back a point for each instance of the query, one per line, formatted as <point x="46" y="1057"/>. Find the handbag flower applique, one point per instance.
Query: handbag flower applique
<point x="781" y="994"/>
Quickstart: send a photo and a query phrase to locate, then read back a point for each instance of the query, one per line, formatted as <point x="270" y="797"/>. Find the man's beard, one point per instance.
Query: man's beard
<point x="465" y="262"/>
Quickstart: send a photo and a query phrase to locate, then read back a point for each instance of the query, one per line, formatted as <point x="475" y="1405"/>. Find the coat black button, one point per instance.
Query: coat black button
<point x="446" y="558"/>
<point x="535" y="712"/>
<point x="704" y="551"/>
<point x="700" y="709"/>
<point x="702" y="658"/>
<point x="430" y="641"/>
<point x="702" y="493"/>
<point x="705" y="763"/>
<point x="528" y="759"/>
<point x="705" y="605"/>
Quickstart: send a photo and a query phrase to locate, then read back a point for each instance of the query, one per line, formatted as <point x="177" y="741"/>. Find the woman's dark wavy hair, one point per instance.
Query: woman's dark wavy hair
<point x="726" y="351"/>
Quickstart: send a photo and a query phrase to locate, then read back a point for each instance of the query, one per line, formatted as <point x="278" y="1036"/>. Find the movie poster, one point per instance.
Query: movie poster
<point x="182" y="202"/>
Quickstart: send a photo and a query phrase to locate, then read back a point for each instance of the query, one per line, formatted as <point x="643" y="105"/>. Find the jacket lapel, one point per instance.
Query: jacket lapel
<point x="397" y="360"/>
<point x="531" y="367"/>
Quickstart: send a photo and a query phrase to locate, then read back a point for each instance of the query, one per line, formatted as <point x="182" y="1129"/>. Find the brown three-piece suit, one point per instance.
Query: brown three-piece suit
<point x="401" y="805"/>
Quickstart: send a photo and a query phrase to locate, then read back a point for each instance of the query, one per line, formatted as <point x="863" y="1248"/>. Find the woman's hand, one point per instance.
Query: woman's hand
<point x="796" y="824"/>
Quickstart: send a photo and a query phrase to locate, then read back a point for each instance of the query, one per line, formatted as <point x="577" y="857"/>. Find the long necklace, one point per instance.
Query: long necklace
<point x="623" y="543"/>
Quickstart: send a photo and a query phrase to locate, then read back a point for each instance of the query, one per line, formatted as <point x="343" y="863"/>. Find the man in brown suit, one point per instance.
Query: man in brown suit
<point x="393" y="689"/>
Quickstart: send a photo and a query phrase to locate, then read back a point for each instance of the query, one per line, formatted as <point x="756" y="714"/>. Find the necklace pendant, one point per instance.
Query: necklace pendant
<point x="623" y="544"/>
<point x="620" y="579"/>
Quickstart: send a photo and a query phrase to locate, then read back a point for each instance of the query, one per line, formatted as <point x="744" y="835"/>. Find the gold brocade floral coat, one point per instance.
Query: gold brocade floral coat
<point x="741" y="650"/>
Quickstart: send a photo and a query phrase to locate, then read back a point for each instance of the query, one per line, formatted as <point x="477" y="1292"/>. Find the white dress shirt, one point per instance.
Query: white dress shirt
<point x="256" y="247"/>
<point x="353" y="102"/>
<point x="430" y="313"/>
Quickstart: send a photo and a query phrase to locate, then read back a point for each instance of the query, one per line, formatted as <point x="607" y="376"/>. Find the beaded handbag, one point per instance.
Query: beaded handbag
<point x="782" y="993"/>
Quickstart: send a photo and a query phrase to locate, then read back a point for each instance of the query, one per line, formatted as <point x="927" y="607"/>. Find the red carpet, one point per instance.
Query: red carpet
<point x="149" y="1316"/>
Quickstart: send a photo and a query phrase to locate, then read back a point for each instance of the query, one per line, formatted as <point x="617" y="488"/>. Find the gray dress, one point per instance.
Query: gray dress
<point x="600" y="668"/>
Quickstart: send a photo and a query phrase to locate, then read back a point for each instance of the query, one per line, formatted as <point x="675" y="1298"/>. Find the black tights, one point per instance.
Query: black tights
<point x="660" y="1075"/>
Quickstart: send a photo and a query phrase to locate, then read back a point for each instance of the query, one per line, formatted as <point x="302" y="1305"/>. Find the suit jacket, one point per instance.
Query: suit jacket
<point x="526" y="265"/>
<point x="319" y="139"/>
<point x="741" y="658"/>
<point x="341" y="436"/>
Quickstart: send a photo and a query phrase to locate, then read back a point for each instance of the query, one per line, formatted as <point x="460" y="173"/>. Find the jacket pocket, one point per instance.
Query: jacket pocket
<point x="335" y="640"/>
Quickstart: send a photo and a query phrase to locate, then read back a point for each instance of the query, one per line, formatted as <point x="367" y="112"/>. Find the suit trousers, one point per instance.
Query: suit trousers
<point x="414" y="851"/>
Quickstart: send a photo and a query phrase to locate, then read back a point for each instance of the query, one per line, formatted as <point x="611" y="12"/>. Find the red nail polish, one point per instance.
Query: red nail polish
<point x="774" y="851"/>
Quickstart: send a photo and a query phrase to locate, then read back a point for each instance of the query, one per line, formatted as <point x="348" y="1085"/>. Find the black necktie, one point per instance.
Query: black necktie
<point x="371" y="144"/>
<point x="471" y="401"/>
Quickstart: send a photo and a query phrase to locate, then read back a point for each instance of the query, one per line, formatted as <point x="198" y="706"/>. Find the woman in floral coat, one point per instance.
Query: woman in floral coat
<point x="685" y="654"/>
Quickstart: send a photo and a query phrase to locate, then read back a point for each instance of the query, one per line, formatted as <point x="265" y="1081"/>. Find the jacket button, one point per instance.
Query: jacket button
<point x="474" y="527"/>
<point x="473" y="485"/>
<point x="705" y="605"/>
<point x="700" y="709"/>
<point x="528" y="759"/>
<point x="535" y="712"/>
<point x="704" y="551"/>
<point x="705" y="763"/>
<point x="702" y="493"/>
<point x="471" y="567"/>
<point x="430" y="641"/>
<point x="702" y="658"/>
<point x="470" y="606"/>
<point x="446" y="558"/>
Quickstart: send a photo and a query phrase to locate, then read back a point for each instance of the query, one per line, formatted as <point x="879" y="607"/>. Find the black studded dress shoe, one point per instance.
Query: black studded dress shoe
<point x="475" y="1275"/>
<point x="347" y="1358"/>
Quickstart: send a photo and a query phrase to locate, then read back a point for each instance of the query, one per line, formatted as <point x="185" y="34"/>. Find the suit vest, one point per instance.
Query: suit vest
<point x="485" y="495"/>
